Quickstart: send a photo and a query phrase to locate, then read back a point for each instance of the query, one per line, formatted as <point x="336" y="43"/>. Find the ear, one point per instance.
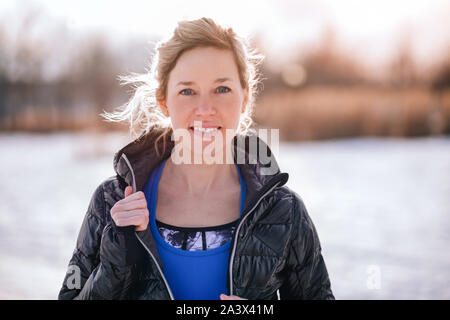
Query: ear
<point x="162" y="106"/>
<point x="245" y="101"/>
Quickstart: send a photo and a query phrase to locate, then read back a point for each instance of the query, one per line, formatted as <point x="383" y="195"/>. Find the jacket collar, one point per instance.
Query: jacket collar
<point x="136" y="161"/>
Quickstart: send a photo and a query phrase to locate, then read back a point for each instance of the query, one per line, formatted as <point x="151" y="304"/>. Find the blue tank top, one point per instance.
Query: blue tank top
<point x="191" y="275"/>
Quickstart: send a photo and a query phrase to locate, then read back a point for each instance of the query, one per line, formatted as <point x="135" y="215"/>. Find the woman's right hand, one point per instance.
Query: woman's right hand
<point x="131" y="210"/>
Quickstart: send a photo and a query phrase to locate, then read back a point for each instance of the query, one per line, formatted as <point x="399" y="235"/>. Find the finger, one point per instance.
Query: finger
<point x="131" y="205"/>
<point x="127" y="214"/>
<point x="231" y="297"/>
<point x="133" y="196"/>
<point x="128" y="191"/>
<point x="141" y="227"/>
<point x="135" y="220"/>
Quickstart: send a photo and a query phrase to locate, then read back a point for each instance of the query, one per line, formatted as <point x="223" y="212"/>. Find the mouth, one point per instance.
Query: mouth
<point x="208" y="130"/>
<point x="205" y="134"/>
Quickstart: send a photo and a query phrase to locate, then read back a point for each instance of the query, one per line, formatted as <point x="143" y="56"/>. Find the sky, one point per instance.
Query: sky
<point x="369" y="28"/>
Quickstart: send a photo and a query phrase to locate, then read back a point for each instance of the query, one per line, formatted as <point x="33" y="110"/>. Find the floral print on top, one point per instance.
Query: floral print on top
<point x="196" y="239"/>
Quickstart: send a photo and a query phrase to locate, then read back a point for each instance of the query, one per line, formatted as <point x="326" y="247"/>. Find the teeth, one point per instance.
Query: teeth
<point x="206" y="130"/>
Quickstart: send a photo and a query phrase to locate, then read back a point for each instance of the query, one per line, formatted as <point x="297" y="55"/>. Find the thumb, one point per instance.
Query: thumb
<point x="128" y="191"/>
<point x="230" y="297"/>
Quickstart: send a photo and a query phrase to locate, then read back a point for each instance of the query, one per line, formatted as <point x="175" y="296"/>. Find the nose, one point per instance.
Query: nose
<point x="204" y="107"/>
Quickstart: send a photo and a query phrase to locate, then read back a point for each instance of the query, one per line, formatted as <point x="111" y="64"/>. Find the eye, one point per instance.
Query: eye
<point x="187" y="92"/>
<point x="223" y="89"/>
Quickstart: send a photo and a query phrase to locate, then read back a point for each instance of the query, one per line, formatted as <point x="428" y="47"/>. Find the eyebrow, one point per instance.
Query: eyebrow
<point x="188" y="83"/>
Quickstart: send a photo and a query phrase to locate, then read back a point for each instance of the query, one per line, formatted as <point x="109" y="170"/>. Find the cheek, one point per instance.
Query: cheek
<point x="179" y="113"/>
<point x="230" y="108"/>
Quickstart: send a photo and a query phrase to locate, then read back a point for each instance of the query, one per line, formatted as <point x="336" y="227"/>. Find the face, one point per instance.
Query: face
<point x="204" y="87"/>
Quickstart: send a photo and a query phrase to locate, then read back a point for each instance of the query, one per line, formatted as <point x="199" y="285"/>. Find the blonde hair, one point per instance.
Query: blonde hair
<point x="142" y="111"/>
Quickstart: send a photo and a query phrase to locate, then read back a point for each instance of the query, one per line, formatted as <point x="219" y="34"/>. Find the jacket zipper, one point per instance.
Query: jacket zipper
<point x="237" y="233"/>
<point x="157" y="265"/>
<point x="235" y="241"/>
<point x="135" y="233"/>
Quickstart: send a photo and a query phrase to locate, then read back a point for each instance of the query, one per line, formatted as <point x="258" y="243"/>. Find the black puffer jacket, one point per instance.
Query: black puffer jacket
<point x="275" y="251"/>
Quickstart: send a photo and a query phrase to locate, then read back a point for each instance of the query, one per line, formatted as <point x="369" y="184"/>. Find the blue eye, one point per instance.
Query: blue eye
<point x="188" y="90"/>
<point x="222" y="91"/>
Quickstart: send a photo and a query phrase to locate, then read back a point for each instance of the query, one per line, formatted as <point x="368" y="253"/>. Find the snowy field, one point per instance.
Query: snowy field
<point x="381" y="208"/>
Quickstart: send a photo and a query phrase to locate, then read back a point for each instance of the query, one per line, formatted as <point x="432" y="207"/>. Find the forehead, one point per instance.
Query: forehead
<point x="204" y="64"/>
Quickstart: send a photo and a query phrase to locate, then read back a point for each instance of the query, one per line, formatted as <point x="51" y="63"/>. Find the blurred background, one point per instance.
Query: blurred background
<point x="360" y="91"/>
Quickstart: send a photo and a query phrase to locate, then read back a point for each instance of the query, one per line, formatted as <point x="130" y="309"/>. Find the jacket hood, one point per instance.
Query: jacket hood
<point x="135" y="161"/>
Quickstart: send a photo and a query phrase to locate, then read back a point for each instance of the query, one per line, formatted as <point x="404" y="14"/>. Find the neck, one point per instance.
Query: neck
<point x="199" y="179"/>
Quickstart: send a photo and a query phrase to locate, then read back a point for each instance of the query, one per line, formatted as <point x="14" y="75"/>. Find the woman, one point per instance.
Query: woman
<point x="172" y="224"/>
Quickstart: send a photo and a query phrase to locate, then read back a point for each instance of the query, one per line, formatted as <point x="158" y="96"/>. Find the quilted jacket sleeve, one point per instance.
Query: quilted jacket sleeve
<point x="306" y="274"/>
<point x="100" y="267"/>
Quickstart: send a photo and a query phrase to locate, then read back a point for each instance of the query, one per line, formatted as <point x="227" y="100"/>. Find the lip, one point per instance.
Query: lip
<point x="205" y="135"/>
<point x="207" y="127"/>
